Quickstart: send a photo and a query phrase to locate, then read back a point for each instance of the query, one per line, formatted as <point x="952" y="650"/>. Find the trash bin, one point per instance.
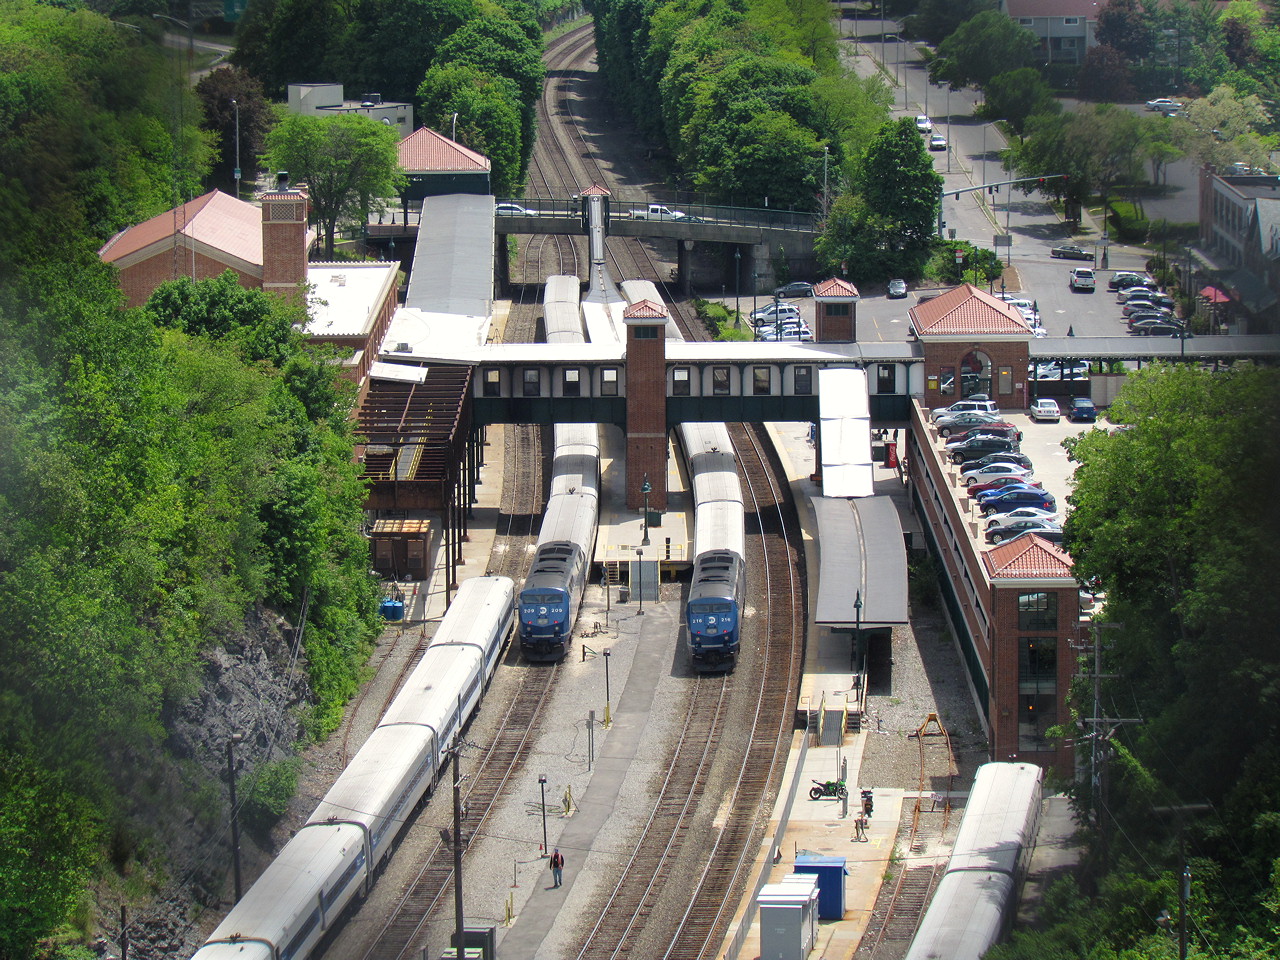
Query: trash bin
<point x="624" y="594"/>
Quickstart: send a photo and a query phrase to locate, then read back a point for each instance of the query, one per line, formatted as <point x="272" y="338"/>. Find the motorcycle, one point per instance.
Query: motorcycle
<point x="828" y="788"/>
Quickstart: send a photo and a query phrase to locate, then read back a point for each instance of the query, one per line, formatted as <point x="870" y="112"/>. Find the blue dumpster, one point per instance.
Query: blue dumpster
<point x="392" y="609"/>
<point x="831" y="874"/>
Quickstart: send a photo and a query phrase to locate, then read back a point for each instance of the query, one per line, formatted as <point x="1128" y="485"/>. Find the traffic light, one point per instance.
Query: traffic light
<point x="1040" y="183"/>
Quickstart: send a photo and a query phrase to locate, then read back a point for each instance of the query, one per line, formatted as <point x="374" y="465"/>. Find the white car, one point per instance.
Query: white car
<point x="1162" y="104"/>
<point x="924" y="124"/>
<point x="937" y="142"/>
<point x="993" y="470"/>
<point x="513" y="210"/>
<point x="1026" y="307"/>
<point x="1045" y="409"/>
<point x="979" y="402"/>
<point x="785" y="331"/>
<point x="775" y="311"/>
<point x="1022" y="513"/>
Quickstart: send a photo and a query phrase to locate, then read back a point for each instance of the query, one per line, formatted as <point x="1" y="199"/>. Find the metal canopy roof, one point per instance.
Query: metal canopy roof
<point x="453" y="263"/>
<point x="413" y="428"/>
<point x="863" y="552"/>
<point x="1256" y="346"/>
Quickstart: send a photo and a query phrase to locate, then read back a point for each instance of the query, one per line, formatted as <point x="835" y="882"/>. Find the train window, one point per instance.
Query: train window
<point x="762" y="381"/>
<point x="886" y="378"/>
<point x="720" y="381"/>
<point x="947" y="381"/>
<point x="493" y="382"/>
<point x="803" y="381"/>
<point x="609" y="382"/>
<point x="571" y="386"/>
<point x="1037" y="611"/>
<point x="532" y="382"/>
<point x="680" y="382"/>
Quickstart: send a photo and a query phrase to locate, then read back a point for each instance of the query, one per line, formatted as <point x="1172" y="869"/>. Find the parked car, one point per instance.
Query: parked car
<point x="771" y="312"/>
<point x="924" y="124"/>
<point x="1126" y="279"/>
<point x="983" y="496"/>
<point x="784" y="330"/>
<point x="978" y="401"/>
<point x="1021" y="459"/>
<point x="513" y="210"/>
<point x="1141" y="315"/>
<point x="992" y="470"/>
<point x="999" y="483"/>
<point x="796" y="288"/>
<point x="997" y="429"/>
<point x="959" y="422"/>
<point x="1082" y="410"/>
<point x="1016" y="528"/>
<point x="1002" y="501"/>
<point x="1045" y="408"/>
<point x="1082" y="279"/>
<point x="1026" y="307"/>
<point x="1133" y="292"/>
<point x="937" y="142"/>
<point x="1161" y="104"/>
<point x="897" y="289"/>
<point x="979" y="447"/>
<point x="1022" y="513"/>
<point x="1130" y="294"/>
<point x="1069" y="251"/>
<point x="1133" y="306"/>
<point x="1155" y="327"/>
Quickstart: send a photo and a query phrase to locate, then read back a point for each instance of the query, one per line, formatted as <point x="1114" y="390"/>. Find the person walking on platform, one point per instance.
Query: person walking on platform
<point x="557" y="868"/>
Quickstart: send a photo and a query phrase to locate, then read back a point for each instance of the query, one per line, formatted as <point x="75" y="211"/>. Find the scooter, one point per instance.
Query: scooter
<point x="828" y="788"/>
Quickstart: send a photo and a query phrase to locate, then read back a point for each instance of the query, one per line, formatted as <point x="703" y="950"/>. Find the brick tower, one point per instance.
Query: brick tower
<point x="646" y="403"/>
<point x="836" y="317"/>
<point x="284" y="239"/>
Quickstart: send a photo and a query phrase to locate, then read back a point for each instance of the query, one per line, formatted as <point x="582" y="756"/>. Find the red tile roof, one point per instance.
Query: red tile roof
<point x="645" y="310"/>
<point x="835" y="287"/>
<point x="596" y="190"/>
<point x="967" y="311"/>
<point x="215" y="220"/>
<point x="1027" y="557"/>
<point x="425" y="151"/>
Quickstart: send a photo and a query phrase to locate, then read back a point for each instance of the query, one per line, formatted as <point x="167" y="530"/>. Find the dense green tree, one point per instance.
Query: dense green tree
<point x="1017" y="95"/>
<point x="898" y="182"/>
<point x="1222" y="128"/>
<point x="348" y="162"/>
<point x="488" y="110"/>
<point x="500" y="48"/>
<point x="767" y="158"/>
<point x="291" y="41"/>
<point x="392" y="43"/>
<point x="935" y="20"/>
<point x="1106" y="76"/>
<point x="1125" y="26"/>
<point x="228" y="93"/>
<point x="990" y="43"/>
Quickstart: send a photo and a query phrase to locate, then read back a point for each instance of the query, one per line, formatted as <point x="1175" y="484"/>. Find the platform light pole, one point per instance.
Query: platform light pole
<point x="235" y="815"/>
<point x="646" y="488"/>
<point x="640" y="579"/>
<point x="459" y="921"/>
<point x="542" y="787"/>
<point x="235" y="105"/>
<point x="857" y="629"/>
<point x="737" y="281"/>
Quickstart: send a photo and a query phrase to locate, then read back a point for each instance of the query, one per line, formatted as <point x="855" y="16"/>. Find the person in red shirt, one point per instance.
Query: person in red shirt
<point x="557" y="867"/>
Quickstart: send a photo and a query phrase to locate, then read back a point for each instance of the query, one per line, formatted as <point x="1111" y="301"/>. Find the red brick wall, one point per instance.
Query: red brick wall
<point x="646" y="419"/>
<point x="831" y="329"/>
<point x="284" y="243"/>
<point x="949" y="353"/>
<point x="140" y="280"/>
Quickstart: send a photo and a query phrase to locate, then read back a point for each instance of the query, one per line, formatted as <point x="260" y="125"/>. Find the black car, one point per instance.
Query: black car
<point x="1069" y="251"/>
<point x="1121" y="280"/>
<point x="1155" y="328"/>
<point x="997" y="428"/>
<point x="796" y="288"/>
<point x="1016" y="528"/>
<point x="1021" y="459"/>
<point x="979" y="447"/>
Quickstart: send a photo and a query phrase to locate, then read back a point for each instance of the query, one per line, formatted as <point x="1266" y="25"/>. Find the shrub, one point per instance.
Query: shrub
<point x="272" y="787"/>
<point x="1131" y="226"/>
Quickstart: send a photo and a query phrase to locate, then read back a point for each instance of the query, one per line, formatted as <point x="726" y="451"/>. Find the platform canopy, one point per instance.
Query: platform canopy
<point x="863" y="554"/>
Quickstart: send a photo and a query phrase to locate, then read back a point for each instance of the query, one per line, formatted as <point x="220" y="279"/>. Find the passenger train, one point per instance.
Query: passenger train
<point x="717" y="592"/>
<point x="552" y="592"/>
<point x="335" y="857"/>
<point x="973" y="905"/>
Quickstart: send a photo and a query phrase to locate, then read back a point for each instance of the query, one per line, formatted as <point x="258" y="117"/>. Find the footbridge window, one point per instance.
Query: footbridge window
<point x="532" y="382"/>
<point x="804" y="381"/>
<point x="720" y="381"/>
<point x="680" y="382"/>
<point x="886" y="378"/>
<point x="609" y="382"/>
<point x="761" y="381"/>
<point x="572" y="383"/>
<point x="492" y="382"/>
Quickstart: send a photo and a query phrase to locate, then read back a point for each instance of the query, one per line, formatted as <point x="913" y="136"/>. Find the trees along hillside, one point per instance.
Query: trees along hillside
<point x="745" y="97"/>
<point x="349" y="163"/>
<point x="980" y="48"/>
<point x="1177" y="520"/>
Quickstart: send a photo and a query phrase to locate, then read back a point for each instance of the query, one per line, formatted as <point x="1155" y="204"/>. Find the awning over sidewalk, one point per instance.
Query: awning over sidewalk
<point x="1214" y="295"/>
<point x="863" y="556"/>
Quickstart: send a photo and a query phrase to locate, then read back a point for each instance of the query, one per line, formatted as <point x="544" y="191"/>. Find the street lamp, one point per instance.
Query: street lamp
<point x="640" y="579"/>
<point x="857" y="632"/>
<point x="646" y="488"/>
<point x="191" y="33"/>
<point x="948" y="128"/>
<point x="542" y="786"/>
<point x="235" y="816"/>
<point x="607" y="698"/>
<point x="236" y="106"/>
<point x="737" y="280"/>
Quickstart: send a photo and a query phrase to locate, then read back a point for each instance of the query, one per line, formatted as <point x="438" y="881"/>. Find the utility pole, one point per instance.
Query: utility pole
<point x="459" y="921"/>
<point x="1101" y="728"/>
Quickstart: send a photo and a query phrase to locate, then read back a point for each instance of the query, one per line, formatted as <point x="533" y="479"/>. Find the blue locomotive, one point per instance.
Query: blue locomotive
<point x="712" y="613"/>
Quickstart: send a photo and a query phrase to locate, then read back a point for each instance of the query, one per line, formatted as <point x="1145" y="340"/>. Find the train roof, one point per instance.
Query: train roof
<point x="441" y="672"/>
<point x="562" y="288"/>
<point x="563" y="323"/>
<point x="718" y="526"/>
<point x="965" y="917"/>
<point x="363" y="792"/>
<point x="480" y="603"/>
<point x="570" y="517"/>
<point x="999" y="818"/>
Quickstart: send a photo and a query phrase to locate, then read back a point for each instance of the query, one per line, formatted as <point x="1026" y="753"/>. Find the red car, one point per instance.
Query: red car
<point x="998" y="483"/>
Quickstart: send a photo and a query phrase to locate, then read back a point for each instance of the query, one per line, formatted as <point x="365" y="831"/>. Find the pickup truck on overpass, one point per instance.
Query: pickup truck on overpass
<point x="657" y="211"/>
